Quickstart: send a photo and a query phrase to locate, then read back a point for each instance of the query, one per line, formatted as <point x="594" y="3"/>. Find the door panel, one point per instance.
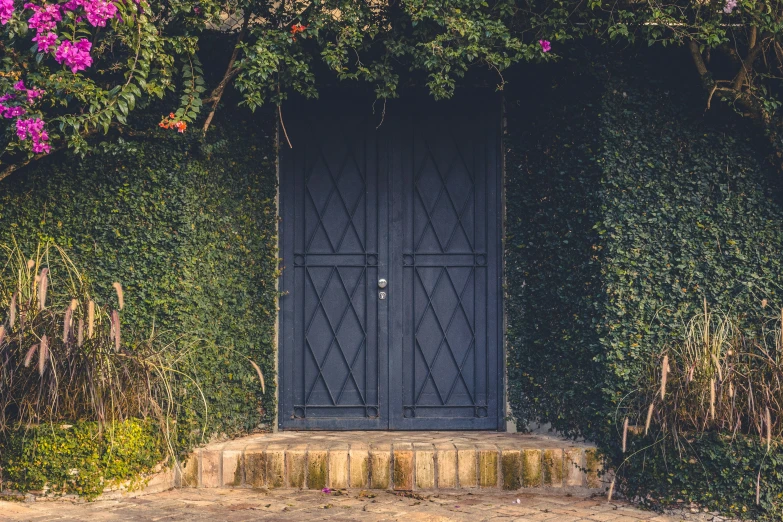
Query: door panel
<point x="333" y="207"/>
<point x="414" y="201"/>
<point x="448" y="251"/>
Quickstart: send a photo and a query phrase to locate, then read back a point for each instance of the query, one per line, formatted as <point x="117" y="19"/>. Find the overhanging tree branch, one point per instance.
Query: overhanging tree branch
<point x="231" y="71"/>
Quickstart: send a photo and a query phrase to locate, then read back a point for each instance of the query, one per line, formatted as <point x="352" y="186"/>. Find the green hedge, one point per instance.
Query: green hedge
<point x="189" y="228"/>
<point x="712" y="470"/>
<point x="627" y="206"/>
<point x="80" y="459"/>
<point x="553" y="291"/>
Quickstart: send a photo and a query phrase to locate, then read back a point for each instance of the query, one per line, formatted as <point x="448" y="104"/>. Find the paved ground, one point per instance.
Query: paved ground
<point x="244" y="504"/>
<point x="330" y="438"/>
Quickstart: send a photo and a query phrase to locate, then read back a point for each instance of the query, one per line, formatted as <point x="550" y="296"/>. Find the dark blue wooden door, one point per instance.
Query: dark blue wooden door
<point x="445" y="262"/>
<point x="333" y="361"/>
<point x="416" y="202"/>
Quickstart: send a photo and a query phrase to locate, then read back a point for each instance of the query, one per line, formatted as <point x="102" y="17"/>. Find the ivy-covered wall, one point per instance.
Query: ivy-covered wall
<point x="189" y="229"/>
<point x="627" y="206"/>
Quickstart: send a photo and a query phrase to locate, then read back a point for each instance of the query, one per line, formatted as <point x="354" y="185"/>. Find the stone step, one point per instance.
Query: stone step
<point x="396" y="461"/>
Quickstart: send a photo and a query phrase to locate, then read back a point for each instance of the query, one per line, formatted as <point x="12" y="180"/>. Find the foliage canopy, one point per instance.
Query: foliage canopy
<point x="85" y="65"/>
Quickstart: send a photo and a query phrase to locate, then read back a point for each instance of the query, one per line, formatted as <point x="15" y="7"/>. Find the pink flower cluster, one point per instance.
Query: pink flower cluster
<point x="32" y="94"/>
<point x="7" y="111"/>
<point x="33" y="128"/>
<point x="730" y="6"/>
<point x="98" y="11"/>
<point x="44" y="21"/>
<point x="76" y="55"/>
<point x="46" y="41"/>
<point x="6" y="11"/>
<point x="45" y="17"/>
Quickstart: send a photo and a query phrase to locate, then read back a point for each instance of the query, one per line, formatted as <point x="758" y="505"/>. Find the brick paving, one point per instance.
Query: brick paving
<point x="232" y="505"/>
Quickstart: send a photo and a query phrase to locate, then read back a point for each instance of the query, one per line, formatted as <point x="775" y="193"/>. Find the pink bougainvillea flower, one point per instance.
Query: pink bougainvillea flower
<point x="99" y="12"/>
<point x="729" y="6"/>
<point x="11" y="112"/>
<point x="76" y="55"/>
<point x="47" y="42"/>
<point x="6" y="11"/>
<point x="326" y="490"/>
<point x="8" y="111"/>
<point x="44" y="18"/>
<point x="32" y="94"/>
<point x="546" y="46"/>
<point x="42" y="147"/>
<point x="22" y="128"/>
<point x="33" y="128"/>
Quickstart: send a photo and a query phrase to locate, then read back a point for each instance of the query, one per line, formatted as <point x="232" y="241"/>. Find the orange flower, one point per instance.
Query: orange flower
<point x="297" y="28"/>
<point x="172" y="123"/>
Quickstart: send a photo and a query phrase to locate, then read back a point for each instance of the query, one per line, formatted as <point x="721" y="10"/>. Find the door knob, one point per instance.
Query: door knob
<point x="382" y="283"/>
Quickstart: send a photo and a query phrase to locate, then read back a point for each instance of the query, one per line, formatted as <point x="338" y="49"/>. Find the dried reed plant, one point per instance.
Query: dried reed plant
<point x="722" y="375"/>
<point x="44" y="305"/>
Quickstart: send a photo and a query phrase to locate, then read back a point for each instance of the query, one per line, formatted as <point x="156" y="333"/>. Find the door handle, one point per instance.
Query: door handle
<point x="382" y="283"/>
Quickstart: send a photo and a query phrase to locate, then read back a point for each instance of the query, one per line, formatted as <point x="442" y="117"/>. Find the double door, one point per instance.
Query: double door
<point x="390" y="237"/>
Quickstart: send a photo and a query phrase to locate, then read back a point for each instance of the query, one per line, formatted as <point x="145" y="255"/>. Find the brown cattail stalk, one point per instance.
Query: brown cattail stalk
<point x="28" y="358"/>
<point x="706" y="325"/>
<point x="712" y="399"/>
<point x="120" y="296"/>
<point x="649" y="417"/>
<point x="12" y="311"/>
<point x="90" y="319"/>
<point x="30" y="264"/>
<point x="43" y="286"/>
<point x="67" y="324"/>
<point x="80" y="334"/>
<point x="731" y="390"/>
<point x="43" y="355"/>
<point x="260" y="376"/>
<point x="74" y="304"/>
<point x="717" y="366"/>
<point x="611" y="490"/>
<point x="625" y="433"/>
<point x="780" y="345"/>
<point x="115" y="323"/>
<point x="2" y="334"/>
<point x="769" y="429"/>
<point x="758" y="488"/>
<point x="664" y="372"/>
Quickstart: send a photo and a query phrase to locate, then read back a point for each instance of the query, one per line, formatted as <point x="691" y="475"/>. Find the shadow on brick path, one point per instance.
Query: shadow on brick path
<point x="246" y="504"/>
